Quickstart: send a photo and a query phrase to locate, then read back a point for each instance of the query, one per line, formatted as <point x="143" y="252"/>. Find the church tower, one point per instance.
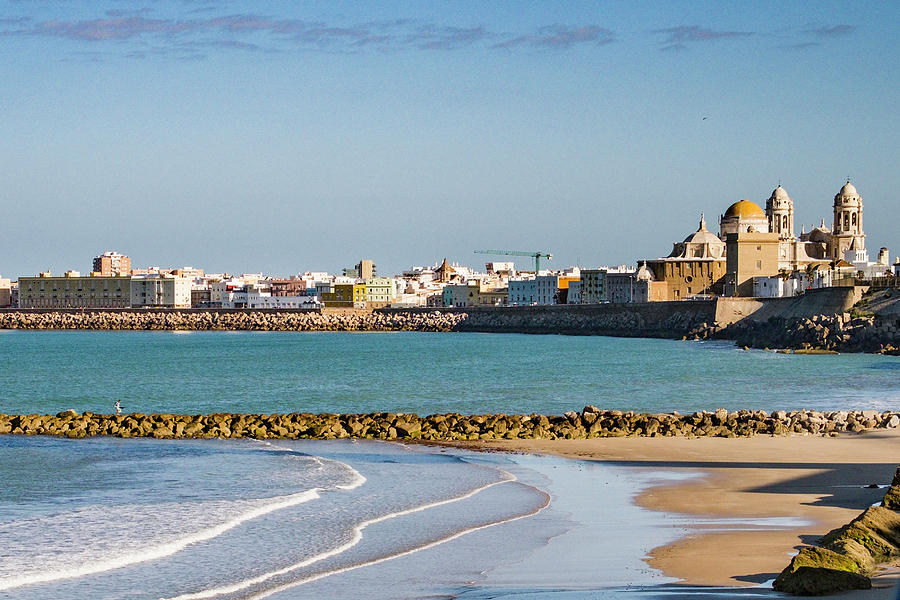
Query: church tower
<point x="848" y="237"/>
<point x="780" y="212"/>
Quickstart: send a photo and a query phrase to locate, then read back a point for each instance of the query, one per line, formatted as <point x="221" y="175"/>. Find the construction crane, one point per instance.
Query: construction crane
<point x="535" y="255"/>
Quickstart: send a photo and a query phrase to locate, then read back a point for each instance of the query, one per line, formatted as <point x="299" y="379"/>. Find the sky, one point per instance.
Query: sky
<point x="286" y="137"/>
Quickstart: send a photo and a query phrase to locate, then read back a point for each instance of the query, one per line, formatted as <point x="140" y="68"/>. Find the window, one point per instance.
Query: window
<point x="758" y="265"/>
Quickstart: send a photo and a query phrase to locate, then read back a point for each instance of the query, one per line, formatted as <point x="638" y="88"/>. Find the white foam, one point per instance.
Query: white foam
<point x="376" y="561"/>
<point x="357" y="536"/>
<point x="161" y="550"/>
<point x="358" y="478"/>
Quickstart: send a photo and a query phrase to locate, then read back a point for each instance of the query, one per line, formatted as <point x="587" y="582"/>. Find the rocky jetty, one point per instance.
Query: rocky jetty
<point x="234" y="320"/>
<point x="847" y="556"/>
<point x="840" y="333"/>
<point x="591" y="422"/>
<point x="652" y="321"/>
<point x="685" y="320"/>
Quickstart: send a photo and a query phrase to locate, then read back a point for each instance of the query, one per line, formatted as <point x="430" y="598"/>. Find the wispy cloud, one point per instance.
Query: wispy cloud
<point x="800" y="45"/>
<point x="121" y="12"/>
<point x="695" y="33"/>
<point x="677" y="38"/>
<point x="561" y="36"/>
<point x="253" y="32"/>
<point x="14" y="20"/>
<point x="814" y="36"/>
<point x="832" y="31"/>
<point x="432" y="37"/>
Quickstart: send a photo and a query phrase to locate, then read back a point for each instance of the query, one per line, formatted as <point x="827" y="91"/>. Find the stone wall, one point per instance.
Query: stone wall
<point x="591" y="422"/>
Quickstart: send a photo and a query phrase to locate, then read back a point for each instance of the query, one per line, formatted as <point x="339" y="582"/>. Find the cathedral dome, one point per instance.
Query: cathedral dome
<point x="745" y="209"/>
<point x="702" y="235"/>
<point x="781" y="194"/>
<point x="848" y="190"/>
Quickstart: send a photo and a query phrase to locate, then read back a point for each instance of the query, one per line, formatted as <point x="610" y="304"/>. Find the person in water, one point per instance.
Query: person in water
<point x="118" y="408"/>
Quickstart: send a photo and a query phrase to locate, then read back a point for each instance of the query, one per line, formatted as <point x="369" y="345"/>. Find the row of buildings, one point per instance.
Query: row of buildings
<point x="755" y="253"/>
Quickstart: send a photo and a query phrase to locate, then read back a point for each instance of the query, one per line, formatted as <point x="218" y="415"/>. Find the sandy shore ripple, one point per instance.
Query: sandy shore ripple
<point x="821" y="482"/>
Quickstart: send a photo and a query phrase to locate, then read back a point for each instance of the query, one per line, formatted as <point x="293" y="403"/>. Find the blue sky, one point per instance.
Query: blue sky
<point x="289" y="136"/>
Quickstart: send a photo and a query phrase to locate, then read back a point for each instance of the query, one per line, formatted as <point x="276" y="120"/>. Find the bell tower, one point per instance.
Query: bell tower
<point x="780" y="212"/>
<point x="847" y="230"/>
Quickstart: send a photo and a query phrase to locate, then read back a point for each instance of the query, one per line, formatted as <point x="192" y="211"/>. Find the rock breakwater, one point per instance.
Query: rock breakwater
<point x="840" y="333"/>
<point x="591" y="422"/>
<point x="847" y="556"/>
<point x="198" y="320"/>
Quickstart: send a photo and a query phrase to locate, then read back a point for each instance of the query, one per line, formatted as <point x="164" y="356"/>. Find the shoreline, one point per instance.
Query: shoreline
<point x="819" y="481"/>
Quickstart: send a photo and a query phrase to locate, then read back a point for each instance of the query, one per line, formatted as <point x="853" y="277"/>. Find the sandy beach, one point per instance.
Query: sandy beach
<point x="814" y="484"/>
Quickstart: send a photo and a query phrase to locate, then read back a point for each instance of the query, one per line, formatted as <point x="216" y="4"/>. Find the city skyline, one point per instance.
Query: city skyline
<point x="289" y="138"/>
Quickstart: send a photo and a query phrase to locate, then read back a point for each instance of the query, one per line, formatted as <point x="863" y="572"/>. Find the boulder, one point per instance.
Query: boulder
<point x="817" y="571"/>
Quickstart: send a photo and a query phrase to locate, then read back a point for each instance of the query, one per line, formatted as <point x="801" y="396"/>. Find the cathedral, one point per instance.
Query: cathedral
<point x="844" y="244"/>
<point x="754" y="243"/>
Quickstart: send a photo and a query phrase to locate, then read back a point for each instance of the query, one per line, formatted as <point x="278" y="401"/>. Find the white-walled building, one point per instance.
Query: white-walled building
<point x="574" y="296"/>
<point x="381" y="290"/>
<point x="160" y="291"/>
<point x="546" y="289"/>
<point x="620" y="286"/>
<point x="5" y="293"/>
<point x="522" y="291"/>
<point x="263" y="300"/>
<point x="461" y="294"/>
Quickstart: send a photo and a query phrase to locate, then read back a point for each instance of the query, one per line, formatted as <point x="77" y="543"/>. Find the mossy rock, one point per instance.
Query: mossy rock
<point x="817" y="571"/>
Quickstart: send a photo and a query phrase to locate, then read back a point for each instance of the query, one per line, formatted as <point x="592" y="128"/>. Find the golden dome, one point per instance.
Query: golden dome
<point x="745" y="210"/>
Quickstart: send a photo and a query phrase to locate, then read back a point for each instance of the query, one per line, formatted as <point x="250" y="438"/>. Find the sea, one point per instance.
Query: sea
<point x="283" y="519"/>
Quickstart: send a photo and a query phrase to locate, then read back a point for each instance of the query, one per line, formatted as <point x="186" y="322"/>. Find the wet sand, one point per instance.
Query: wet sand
<point x="814" y="484"/>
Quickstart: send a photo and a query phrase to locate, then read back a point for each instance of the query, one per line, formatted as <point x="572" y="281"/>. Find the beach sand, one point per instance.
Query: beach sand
<point x="818" y="483"/>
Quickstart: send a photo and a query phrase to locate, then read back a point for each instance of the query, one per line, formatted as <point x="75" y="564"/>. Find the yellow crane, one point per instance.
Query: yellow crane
<point x="535" y="255"/>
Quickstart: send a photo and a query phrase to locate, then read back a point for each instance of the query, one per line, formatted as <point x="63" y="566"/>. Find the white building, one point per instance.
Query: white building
<point x="5" y="293"/>
<point x="262" y="300"/>
<point x="620" y="286"/>
<point x="574" y="296"/>
<point x="381" y="290"/>
<point x="461" y="294"/>
<point x="797" y="282"/>
<point x="160" y="291"/>
<point x="546" y="289"/>
<point x="522" y="291"/>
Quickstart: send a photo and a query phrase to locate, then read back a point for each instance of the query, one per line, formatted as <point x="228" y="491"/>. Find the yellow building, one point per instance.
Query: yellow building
<point x="683" y="278"/>
<point x="74" y="291"/>
<point x="749" y="255"/>
<point x="695" y="267"/>
<point x="347" y="295"/>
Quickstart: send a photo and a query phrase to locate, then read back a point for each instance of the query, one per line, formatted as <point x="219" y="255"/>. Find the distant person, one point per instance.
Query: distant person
<point x="118" y="408"/>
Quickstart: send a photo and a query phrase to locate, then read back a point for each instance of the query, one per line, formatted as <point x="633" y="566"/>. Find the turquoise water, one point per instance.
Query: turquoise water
<point x="106" y="518"/>
<point x="202" y="372"/>
<point x="229" y="519"/>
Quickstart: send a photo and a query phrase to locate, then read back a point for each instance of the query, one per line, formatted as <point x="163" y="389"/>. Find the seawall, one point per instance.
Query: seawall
<point x="591" y="422"/>
<point x="817" y="319"/>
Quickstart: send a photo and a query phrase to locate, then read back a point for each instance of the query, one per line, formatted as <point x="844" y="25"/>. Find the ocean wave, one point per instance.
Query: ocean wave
<point x="116" y="560"/>
<point x="161" y="550"/>
<point x="432" y="544"/>
<point x="357" y="537"/>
